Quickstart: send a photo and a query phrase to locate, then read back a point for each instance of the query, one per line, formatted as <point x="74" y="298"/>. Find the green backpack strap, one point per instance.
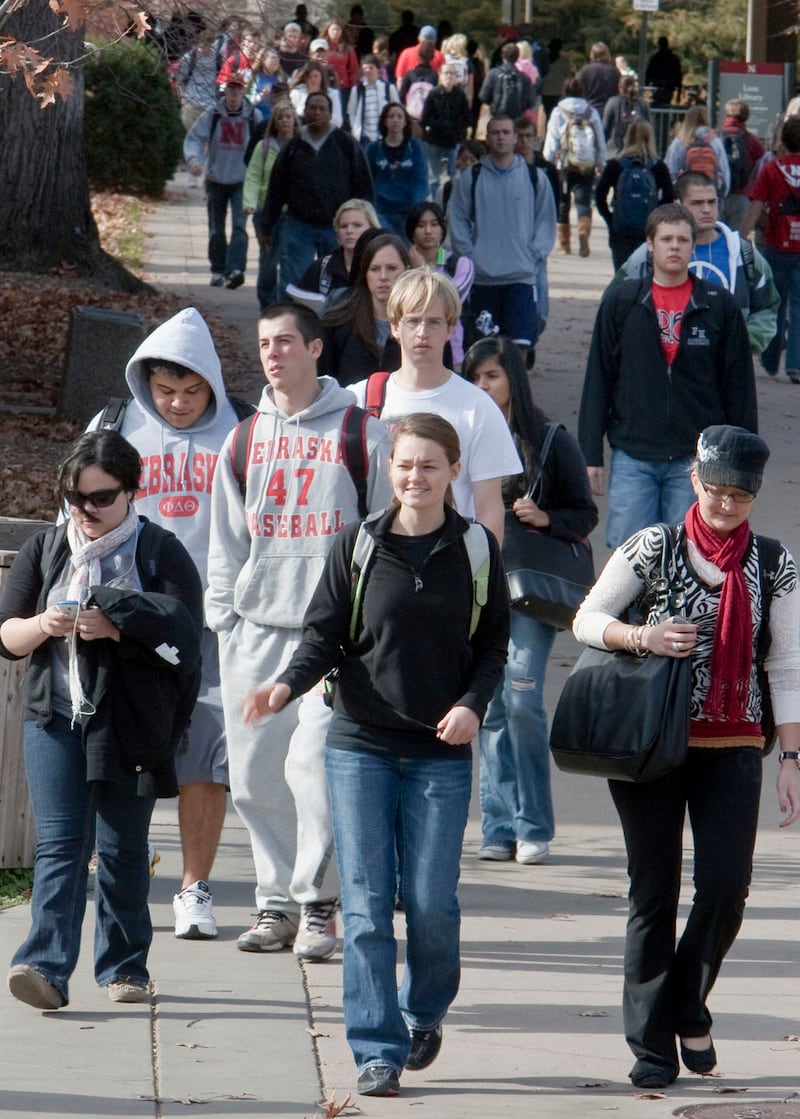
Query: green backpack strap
<point x="477" y="544"/>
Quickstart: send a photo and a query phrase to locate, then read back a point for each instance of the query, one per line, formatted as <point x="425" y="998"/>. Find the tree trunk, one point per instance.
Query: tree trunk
<point x="45" y="216"/>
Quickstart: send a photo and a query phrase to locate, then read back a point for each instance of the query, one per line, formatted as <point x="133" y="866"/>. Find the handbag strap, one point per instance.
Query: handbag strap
<point x="550" y="432"/>
<point x="665" y="592"/>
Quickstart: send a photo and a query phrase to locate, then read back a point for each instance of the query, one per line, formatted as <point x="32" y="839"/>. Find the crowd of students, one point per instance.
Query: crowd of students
<point x="350" y="530"/>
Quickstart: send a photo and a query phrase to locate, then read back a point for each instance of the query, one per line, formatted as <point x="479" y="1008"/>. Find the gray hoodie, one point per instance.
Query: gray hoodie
<point x="267" y="550"/>
<point x="218" y="139"/>
<point x="178" y="463"/>
<point x="511" y="227"/>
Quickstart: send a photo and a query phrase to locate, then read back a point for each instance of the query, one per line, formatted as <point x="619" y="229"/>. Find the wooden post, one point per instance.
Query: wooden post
<point x="17" y="833"/>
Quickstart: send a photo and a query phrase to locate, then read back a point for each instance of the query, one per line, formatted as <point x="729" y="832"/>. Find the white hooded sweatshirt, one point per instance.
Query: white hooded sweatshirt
<point x="178" y="463"/>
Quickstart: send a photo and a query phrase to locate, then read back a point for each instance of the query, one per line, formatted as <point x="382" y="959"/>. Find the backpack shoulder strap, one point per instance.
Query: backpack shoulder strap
<point x="363" y="550"/>
<point x="769" y="551"/>
<point x="148" y="552"/>
<point x="477" y="545"/>
<point x="748" y="260"/>
<point x="240" y="450"/>
<point x="114" y="413"/>
<point x="376" y="393"/>
<point x="355" y="453"/>
<point x="476" y="170"/>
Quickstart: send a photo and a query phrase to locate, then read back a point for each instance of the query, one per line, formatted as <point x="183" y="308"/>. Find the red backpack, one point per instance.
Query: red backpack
<point x="700" y="156"/>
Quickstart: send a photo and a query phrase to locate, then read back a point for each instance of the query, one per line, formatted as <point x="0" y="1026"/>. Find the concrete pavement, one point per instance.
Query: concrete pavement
<point x="536" y="1028"/>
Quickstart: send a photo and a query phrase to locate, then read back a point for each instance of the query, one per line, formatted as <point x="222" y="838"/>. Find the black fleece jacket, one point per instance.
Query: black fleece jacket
<point x="652" y="411"/>
<point x="313" y="184"/>
<point x="412" y="659"/>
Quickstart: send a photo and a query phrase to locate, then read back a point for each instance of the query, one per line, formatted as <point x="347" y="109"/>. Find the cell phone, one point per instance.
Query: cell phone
<point x="679" y="620"/>
<point x="69" y="607"/>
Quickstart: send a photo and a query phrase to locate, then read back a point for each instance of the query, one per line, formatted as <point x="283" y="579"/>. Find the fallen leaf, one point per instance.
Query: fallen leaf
<point x="315" y="1032"/>
<point x="592" y="1014"/>
<point x="650" y="1096"/>
<point x="721" y="1090"/>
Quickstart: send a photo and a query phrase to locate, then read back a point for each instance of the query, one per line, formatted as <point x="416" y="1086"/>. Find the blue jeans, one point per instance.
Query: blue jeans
<point x="643" y="493"/>
<point x="300" y="244"/>
<point x="397" y="819"/>
<point x="223" y="257"/>
<point x="580" y="188"/>
<point x="434" y="155"/>
<point x="515" y="750"/>
<point x="786" y="274"/>
<point x="267" y="279"/>
<point x="71" y="818"/>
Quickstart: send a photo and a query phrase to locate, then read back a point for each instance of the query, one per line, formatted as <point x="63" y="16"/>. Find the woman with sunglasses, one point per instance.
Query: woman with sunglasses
<point x="109" y="609"/>
<point x="741" y="601"/>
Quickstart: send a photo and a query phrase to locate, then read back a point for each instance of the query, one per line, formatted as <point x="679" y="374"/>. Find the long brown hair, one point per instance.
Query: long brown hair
<point x="356" y="308"/>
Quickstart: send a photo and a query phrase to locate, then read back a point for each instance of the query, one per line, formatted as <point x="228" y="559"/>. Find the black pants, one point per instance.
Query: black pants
<point x="666" y="986"/>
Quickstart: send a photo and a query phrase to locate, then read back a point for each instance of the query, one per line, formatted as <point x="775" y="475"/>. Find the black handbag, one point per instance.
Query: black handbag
<point x="623" y="716"/>
<point x="547" y="578"/>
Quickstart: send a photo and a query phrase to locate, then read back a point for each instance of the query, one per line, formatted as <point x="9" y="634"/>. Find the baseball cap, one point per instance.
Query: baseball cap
<point x="318" y="45"/>
<point x="237" y="78"/>
<point x="427" y="32"/>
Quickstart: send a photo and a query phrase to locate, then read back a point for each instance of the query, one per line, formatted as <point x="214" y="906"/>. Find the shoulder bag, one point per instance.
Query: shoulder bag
<point x="547" y="577"/>
<point x="626" y="717"/>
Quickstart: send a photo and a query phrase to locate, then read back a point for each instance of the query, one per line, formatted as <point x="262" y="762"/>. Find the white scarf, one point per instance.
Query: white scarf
<point x="86" y="556"/>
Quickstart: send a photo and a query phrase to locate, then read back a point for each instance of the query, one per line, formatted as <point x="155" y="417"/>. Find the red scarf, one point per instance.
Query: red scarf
<point x="732" y="652"/>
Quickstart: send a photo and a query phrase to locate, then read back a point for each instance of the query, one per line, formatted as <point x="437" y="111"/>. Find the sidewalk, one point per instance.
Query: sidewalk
<point x="536" y="1029"/>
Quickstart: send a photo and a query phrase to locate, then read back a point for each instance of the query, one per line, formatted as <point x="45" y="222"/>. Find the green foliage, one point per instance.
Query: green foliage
<point x="15" y="887"/>
<point x="133" y="130"/>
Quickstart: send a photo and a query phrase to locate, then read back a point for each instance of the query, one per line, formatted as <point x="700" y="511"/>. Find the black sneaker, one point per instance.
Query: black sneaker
<point x="217" y="280"/>
<point x="379" y="1080"/>
<point x="234" y="279"/>
<point x="425" y="1046"/>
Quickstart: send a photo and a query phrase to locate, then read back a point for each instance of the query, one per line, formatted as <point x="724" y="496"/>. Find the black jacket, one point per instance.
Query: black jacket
<point x="446" y="117"/>
<point x="313" y="184"/>
<point x="346" y="357"/>
<point x="412" y="659"/>
<point x="651" y="411"/>
<point x="143" y="698"/>
<point x="564" y="493"/>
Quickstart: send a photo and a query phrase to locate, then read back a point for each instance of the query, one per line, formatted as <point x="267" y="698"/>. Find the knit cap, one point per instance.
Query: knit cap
<point x="731" y="456"/>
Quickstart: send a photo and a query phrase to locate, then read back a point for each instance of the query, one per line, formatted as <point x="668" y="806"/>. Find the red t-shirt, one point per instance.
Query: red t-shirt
<point x="670" y="303"/>
<point x="774" y="184"/>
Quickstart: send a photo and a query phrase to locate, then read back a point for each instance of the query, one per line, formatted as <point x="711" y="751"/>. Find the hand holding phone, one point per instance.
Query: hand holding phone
<point x="69" y="607"/>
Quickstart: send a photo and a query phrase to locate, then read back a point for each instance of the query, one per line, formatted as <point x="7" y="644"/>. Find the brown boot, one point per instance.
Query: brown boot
<point x="584" y="229"/>
<point x="563" y="238"/>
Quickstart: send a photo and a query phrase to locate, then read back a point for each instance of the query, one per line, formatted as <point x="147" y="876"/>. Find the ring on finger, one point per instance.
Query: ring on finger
<point x="676" y="646"/>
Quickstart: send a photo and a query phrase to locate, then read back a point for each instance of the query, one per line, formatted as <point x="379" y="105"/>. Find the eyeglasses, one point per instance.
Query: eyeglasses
<point x="100" y="499"/>
<point x="717" y="494"/>
<point x="414" y="323"/>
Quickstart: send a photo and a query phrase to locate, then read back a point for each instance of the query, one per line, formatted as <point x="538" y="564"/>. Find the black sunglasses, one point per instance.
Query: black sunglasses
<point x="100" y="499"/>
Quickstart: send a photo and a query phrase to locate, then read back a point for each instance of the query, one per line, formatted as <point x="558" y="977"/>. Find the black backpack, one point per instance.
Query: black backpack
<point x="114" y="412"/>
<point x="736" y="151"/>
<point x="509" y="94"/>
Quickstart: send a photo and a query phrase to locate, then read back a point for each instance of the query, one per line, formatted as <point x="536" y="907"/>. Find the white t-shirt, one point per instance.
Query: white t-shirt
<point x="487" y="449"/>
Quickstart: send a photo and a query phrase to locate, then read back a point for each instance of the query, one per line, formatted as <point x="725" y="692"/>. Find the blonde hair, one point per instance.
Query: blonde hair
<point x="524" y="48"/>
<point x="417" y="288"/>
<point x="696" y="117"/>
<point x="455" y="44"/>
<point x="639" y="141"/>
<point x="360" y="204"/>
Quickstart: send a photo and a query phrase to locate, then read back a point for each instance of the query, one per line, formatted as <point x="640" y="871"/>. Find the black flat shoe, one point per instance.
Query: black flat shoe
<point x="379" y="1080"/>
<point x="699" y="1060"/>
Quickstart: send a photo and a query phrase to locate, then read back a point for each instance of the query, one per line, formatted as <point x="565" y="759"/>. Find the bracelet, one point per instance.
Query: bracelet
<point x="41" y="627"/>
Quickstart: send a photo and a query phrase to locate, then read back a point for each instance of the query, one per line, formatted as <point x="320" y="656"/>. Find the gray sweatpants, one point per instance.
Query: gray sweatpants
<point x="277" y="772"/>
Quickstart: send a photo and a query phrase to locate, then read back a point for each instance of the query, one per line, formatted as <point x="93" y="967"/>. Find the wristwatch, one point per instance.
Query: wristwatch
<point x="789" y="756"/>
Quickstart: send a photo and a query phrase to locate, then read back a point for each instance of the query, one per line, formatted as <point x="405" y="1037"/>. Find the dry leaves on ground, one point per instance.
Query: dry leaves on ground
<point x="35" y="314"/>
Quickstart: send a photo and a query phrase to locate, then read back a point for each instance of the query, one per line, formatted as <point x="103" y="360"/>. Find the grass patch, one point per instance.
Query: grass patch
<point x="15" y="887"/>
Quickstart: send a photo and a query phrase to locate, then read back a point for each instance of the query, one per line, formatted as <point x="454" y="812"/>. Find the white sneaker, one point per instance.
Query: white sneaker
<point x="316" y="937"/>
<point x="528" y="853"/>
<point x="272" y="931"/>
<point x="194" y="919"/>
